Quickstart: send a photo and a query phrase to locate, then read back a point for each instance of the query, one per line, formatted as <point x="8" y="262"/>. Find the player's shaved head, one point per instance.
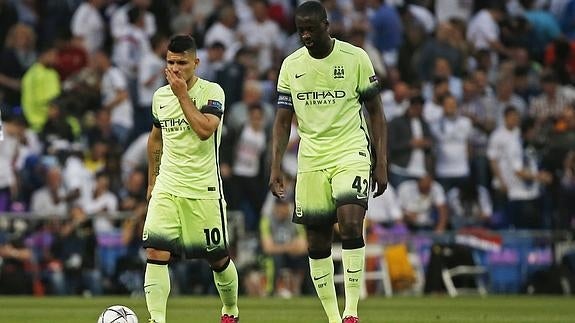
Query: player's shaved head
<point x="182" y="44"/>
<point x="311" y="9"/>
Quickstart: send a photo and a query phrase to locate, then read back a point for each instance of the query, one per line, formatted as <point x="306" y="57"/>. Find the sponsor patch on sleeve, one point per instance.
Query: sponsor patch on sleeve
<point x="373" y="78"/>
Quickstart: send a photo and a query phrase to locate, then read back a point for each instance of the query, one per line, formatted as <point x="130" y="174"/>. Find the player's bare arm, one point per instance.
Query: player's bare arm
<point x="203" y="124"/>
<point x="280" y="139"/>
<point x="379" y="136"/>
<point x="155" y="146"/>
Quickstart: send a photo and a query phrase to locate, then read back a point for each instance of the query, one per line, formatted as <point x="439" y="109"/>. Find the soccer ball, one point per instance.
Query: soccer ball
<point x="118" y="314"/>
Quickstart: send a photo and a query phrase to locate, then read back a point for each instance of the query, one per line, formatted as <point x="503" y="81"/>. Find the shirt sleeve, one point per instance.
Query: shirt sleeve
<point x="284" y="90"/>
<point x="155" y="119"/>
<point x="215" y="103"/>
<point x="367" y="83"/>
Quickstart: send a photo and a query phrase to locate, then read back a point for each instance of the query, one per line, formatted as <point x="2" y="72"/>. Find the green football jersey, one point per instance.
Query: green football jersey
<point x="326" y="95"/>
<point x="189" y="166"/>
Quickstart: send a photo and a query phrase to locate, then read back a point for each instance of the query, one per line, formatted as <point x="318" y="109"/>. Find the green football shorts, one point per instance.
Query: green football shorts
<point x="194" y="228"/>
<point x="319" y="193"/>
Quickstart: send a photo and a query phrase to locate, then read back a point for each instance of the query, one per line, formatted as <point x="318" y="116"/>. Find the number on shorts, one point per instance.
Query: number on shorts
<point x="357" y="184"/>
<point x="212" y="236"/>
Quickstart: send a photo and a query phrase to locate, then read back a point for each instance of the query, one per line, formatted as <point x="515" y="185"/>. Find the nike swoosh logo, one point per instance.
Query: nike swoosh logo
<point x="211" y="249"/>
<point x="224" y="285"/>
<point x="361" y="197"/>
<point x="162" y="106"/>
<point x="353" y="271"/>
<point x="148" y="285"/>
<point x="297" y="76"/>
<point x="320" y="277"/>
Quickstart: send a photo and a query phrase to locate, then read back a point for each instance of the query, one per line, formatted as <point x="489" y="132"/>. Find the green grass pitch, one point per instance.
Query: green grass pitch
<point x="496" y="309"/>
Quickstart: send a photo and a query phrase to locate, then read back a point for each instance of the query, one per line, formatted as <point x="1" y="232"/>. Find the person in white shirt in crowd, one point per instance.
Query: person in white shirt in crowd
<point x="119" y="20"/>
<point x="224" y="31"/>
<point x="483" y="29"/>
<point x="262" y="35"/>
<point x="447" y="9"/>
<point x="469" y="205"/>
<point x="211" y="61"/>
<point x="452" y="133"/>
<point x="515" y="169"/>
<point x="52" y="198"/>
<point x="130" y="48"/>
<point x="442" y="69"/>
<point x="384" y="211"/>
<point x="9" y="150"/>
<point x="115" y="96"/>
<point x="150" y="78"/>
<point x="88" y="24"/>
<point x="395" y="101"/>
<point x="423" y="204"/>
<point x="101" y="204"/>
<point x="243" y="151"/>
<point x="432" y="110"/>
<point x="135" y="156"/>
<point x="409" y="145"/>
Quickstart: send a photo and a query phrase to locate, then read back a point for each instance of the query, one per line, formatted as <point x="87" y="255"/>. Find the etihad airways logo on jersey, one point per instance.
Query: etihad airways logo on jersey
<point x="174" y="125"/>
<point x="320" y="97"/>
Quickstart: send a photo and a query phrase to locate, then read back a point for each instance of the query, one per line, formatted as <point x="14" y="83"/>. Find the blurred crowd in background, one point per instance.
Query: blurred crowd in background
<point x="478" y="96"/>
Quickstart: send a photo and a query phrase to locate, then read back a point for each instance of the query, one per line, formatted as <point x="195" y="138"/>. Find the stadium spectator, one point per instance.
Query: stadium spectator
<point x="40" y="85"/>
<point x="74" y="249"/>
<point x="223" y="31"/>
<point x="262" y="35"/>
<point x="150" y="78"/>
<point x="120" y="20"/>
<point x="284" y="244"/>
<point x="423" y="205"/>
<point x="451" y="139"/>
<point x="16" y="56"/>
<point x="481" y="112"/>
<point x="243" y="156"/>
<point x="114" y="91"/>
<point x="440" y="46"/>
<point x="52" y="198"/>
<point x="411" y="147"/>
<point x="211" y="61"/>
<point x="88" y="24"/>
<point x="395" y="101"/>
<point x="469" y="205"/>
<point x="387" y="28"/>
<point x="516" y="171"/>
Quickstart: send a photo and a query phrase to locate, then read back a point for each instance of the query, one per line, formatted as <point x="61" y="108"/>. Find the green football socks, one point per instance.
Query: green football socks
<point x="157" y="289"/>
<point x="227" y="285"/>
<point x="353" y="268"/>
<point x="322" y="275"/>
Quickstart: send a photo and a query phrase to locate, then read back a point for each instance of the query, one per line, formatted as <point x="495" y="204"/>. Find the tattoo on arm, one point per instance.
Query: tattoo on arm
<point x="157" y="158"/>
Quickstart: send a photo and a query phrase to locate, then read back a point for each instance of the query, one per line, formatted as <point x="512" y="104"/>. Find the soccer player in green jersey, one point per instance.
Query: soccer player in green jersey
<point x="186" y="212"/>
<point x="325" y="83"/>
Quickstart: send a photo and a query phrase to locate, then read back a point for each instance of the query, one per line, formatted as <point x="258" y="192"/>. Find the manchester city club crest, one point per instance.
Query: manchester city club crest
<point x="338" y="72"/>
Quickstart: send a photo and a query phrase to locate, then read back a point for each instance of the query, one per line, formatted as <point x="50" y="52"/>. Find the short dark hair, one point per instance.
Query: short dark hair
<point x="311" y="8"/>
<point x="510" y="109"/>
<point x="182" y="43"/>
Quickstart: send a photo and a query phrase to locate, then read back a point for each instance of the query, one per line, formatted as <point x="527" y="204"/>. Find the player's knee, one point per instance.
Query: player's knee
<point x="220" y="264"/>
<point x="351" y="228"/>
<point x="157" y="255"/>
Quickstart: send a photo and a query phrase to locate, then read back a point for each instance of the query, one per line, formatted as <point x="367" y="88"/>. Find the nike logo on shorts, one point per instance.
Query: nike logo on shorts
<point x="320" y="277"/>
<point x="353" y="271"/>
